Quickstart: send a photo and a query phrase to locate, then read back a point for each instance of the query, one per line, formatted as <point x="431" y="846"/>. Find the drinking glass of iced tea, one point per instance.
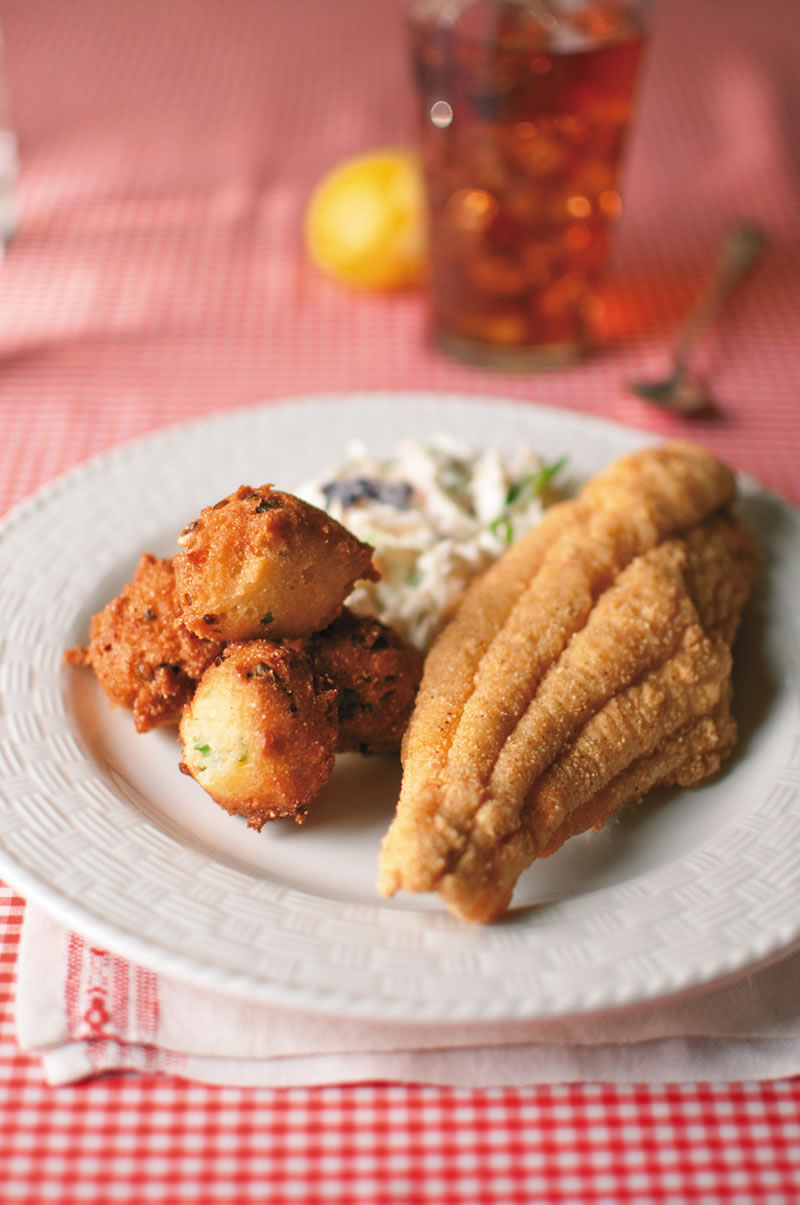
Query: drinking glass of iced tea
<point x="524" y="106"/>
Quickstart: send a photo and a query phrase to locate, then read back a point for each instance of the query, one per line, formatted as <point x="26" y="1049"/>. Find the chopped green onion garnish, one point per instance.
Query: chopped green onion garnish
<point x="534" y="483"/>
<point x="204" y="750"/>
<point x="503" y="528"/>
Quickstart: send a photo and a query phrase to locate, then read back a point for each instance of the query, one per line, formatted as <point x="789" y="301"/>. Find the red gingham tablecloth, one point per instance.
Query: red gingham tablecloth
<point x="168" y="148"/>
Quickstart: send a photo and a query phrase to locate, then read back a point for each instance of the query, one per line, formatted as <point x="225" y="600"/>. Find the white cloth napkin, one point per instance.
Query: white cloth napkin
<point x="84" y="1011"/>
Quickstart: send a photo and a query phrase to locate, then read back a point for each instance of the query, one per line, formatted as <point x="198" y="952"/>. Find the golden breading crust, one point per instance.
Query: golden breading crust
<point x="143" y="655"/>
<point x="260" y="732"/>
<point x="682" y="759"/>
<point x="376" y="674"/>
<point x="578" y="654"/>
<point x="265" y="564"/>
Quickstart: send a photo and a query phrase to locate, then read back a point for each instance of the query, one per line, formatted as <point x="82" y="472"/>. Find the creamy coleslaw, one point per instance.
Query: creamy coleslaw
<point x="437" y="515"/>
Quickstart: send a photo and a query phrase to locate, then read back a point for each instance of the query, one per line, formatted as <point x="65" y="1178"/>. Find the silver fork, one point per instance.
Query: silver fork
<point x="681" y="389"/>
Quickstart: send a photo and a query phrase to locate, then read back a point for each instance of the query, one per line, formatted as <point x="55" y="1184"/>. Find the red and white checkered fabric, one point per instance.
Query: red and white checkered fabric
<point x="167" y="1140"/>
<point x="168" y="148"/>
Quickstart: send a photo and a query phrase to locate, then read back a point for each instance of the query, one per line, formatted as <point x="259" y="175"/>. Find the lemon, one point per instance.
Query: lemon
<point x="365" y="223"/>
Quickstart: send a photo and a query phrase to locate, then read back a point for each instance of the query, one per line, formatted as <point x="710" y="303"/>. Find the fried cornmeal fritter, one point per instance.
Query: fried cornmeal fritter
<point x="588" y="664"/>
<point x="142" y="653"/>
<point x="264" y="564"/>
<point x="259" y="734"/>
<point x="376" y="674"/>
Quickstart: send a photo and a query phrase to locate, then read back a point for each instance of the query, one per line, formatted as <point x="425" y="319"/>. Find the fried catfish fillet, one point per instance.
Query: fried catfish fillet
<point x="588" y="664"/>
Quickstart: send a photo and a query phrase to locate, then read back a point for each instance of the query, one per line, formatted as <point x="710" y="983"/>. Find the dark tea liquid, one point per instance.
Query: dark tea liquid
<point x="523" y="122"/>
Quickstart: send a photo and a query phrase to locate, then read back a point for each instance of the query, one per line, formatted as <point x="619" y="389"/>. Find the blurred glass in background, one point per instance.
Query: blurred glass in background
<point x="524" y="107"/>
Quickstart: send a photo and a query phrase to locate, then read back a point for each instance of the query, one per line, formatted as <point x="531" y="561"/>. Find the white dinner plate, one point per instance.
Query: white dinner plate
<point x="99" y="827"/>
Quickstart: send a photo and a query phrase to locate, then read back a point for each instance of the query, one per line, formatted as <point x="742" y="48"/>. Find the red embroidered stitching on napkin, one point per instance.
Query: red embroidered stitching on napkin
<point x="98" y="994"/>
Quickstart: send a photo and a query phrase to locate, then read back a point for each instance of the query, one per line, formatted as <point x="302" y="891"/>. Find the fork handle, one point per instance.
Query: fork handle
<point x="741" y="248"/>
